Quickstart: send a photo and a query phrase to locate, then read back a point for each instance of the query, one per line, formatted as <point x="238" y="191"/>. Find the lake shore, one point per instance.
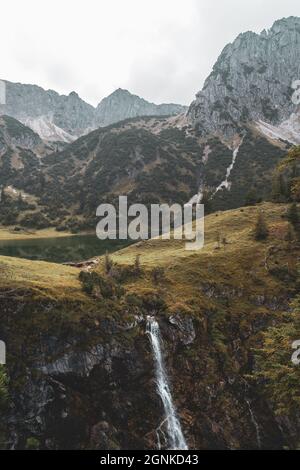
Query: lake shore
<point x="8" y="233"/>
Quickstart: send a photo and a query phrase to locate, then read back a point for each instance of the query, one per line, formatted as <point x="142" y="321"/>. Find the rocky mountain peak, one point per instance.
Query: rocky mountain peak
<point x="73" y="94"/>
<point x="285" y="24"/>
<point x="121" y="91"/>
<point x="251" y="81"/>
<point x="121" y="104"/>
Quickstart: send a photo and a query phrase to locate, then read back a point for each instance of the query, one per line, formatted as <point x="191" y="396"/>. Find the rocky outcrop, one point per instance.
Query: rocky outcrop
<point x="100" y="397"/>
<point x="184" y="328"/>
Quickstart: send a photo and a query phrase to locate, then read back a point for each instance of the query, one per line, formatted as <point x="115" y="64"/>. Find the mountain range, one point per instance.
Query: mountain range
<point x="64" y="118"/>
<point x="223" y="149"/>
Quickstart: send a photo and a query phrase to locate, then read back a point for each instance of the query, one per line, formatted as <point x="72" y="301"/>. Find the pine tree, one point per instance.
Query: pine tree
<point x="290" y="236"/>
<point x="137" y="264"/>
<point x="261" y="231"/>
<point x="108" y="263"/>
<point x="3" y="195"/>
<point x="157" y="274"/>
<point x="207" y="201"/>
<point x="224" y="242"/>
<point x="251" y="198"/>
<point x="293" y="216"/>
<point x="218" y="240"/>
<point x="280" y="189"/>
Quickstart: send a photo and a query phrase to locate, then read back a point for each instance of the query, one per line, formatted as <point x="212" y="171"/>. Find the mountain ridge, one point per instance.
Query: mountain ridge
<point x="67" y="117"/>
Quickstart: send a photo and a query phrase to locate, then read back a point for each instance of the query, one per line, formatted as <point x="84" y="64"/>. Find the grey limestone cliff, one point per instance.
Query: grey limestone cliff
<point x="251" y="81"/>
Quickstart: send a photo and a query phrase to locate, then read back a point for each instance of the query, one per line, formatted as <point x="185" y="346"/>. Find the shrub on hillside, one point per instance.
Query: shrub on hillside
<point x="99" y="287"/>
<point x="261" y="231"/>
<point x="35" y="220"/>
<point x="157" y="274"/>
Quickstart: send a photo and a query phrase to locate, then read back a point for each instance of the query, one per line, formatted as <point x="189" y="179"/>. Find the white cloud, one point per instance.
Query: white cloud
<point x="160" y="49"/>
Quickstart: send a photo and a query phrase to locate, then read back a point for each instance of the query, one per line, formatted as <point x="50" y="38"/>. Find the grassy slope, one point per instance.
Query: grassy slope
<point x="9" y="234"/>
<point x="51" y="279"/>
<point x="186" y="269"/>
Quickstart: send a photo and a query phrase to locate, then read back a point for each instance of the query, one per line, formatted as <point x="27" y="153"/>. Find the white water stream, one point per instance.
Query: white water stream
<point x="255" y="424"/>
<point x="175" y="439"/>
<point x="226" y="183"/>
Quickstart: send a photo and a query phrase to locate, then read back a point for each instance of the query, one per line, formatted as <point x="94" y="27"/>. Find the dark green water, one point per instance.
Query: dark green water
<point x="60" y="250"/>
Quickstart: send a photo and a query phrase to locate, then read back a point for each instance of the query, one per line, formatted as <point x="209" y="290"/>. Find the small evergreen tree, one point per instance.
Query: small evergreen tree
<point x="224" y="242"/>
<point x="261" y="231"/>
<point x="207" y="201"/>
<point x="218" y="240"/>
<point x="280" y="188"/>
<point x="137" y="264"/>
<point x="293" y="216"/>
<point x="3" y="195"/>
<point x="290" y="236"/>
<point x="157" y="274"/>
<point x="251" y="198"/>
<point x="108" y="263"/>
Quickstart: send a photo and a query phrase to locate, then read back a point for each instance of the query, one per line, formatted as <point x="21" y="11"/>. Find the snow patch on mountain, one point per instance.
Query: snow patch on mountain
<point x="47" y="130"/>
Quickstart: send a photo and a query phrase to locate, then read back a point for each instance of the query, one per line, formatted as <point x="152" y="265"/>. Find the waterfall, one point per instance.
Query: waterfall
<point x="226" y="183"/>
<point x="255" y="424"/>
<point x="175" y="439"/>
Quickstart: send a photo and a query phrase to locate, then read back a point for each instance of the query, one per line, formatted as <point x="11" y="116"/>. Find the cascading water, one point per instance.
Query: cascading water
<point x="175" y="438"/>
<point x="255" y="424"/>
<point x="226" y="183"/>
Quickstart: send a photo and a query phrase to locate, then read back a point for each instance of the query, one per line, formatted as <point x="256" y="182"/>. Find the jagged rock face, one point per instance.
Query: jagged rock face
<point x="251" y="81"/>
<point x="103" y="396"/>
<point x="13" y="133"/>
<point x="122" y="105"/>
<point x="33" y="105"/>
<point x="20" y="147"/>
<point x="64" y="118"/>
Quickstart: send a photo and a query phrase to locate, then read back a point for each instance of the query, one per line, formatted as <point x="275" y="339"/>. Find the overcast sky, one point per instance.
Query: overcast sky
<point x="161" y="50"/>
